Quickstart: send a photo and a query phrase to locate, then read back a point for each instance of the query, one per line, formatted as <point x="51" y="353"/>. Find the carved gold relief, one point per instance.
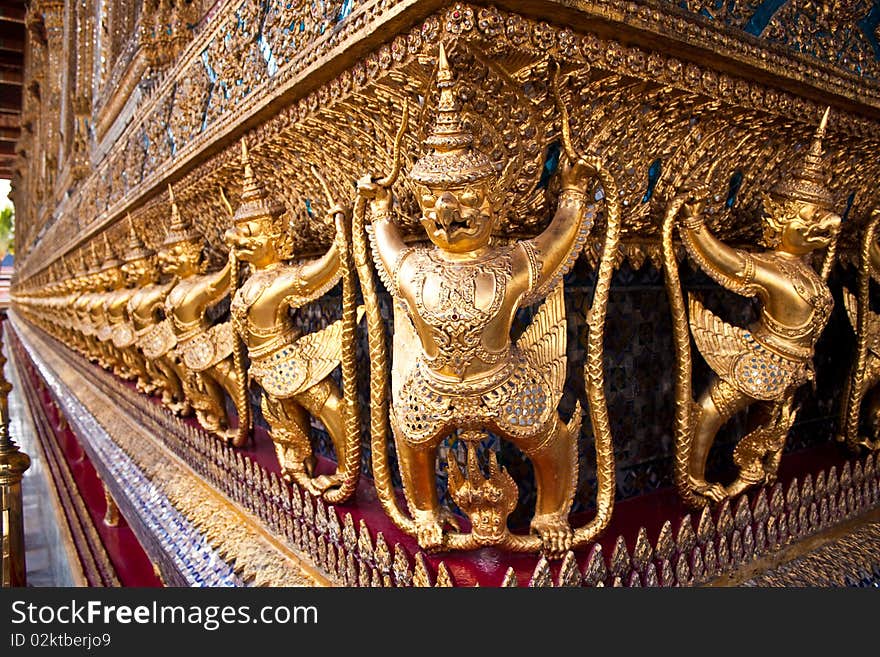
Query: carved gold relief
<point x="455" y="370"/>
<point x="504" y="221"/>
<point x="771" y="359"/>
<point x="292" y="369"/>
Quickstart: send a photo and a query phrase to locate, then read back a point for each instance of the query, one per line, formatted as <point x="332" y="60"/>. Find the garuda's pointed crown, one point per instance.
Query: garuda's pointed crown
<point x="452" y="160"/>
<point x="255" y="202"/>
<point x="180" y="230"/>
<point x="808" y="181"/>
<point x="95" y="264"/>
<point x="135" y="249"/>
<point x="110" y="259"/>
<point x="82" y="268"/>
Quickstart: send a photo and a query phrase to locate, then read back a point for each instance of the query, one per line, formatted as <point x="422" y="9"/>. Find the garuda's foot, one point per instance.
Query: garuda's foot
<point x="210" y="422"/>
<point x="296" y="476"/>
<point x="322" y="483"/>
<point x="296" y="469"/>
<point x="181" y="408"/>
<point x="429" y="530"/>
<point x="449" y="519"/>
<point x="737" y="487"/>
<point x="555" y="532"/>
<point x="712" y="493"/>
<point x="234" y="437"/>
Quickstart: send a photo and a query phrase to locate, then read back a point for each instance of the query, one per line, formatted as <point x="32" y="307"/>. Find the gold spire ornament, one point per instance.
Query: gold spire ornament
<point x="452" y="159"/>
<point x="808" y="182"/>
<point x="771" y="359"/>
<point x="293" y="369"/>
<point x="135" y="249"/>
<point x="456" y="372"/>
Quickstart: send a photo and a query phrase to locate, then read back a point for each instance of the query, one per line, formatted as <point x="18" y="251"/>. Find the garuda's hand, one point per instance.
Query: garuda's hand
<point x="577" y="174"/>
<point x="688" y="202"/>
<point x="378" y="195"/>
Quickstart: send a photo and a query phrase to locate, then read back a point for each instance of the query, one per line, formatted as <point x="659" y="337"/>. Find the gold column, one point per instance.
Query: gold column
<point x="13" y="464"/>
<point x="53" y="20"/>
<point x="82" y="89"/>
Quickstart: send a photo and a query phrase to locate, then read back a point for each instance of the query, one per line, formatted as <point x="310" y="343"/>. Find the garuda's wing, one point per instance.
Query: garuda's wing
<point x="544" y="341"/>
<point x="851" y="303"/>
<point x="719" y="342"/>
<point x="321" y="351"/>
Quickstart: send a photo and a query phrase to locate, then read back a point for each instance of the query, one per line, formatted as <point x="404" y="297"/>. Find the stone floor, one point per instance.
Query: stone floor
<point x="48" y="560"/>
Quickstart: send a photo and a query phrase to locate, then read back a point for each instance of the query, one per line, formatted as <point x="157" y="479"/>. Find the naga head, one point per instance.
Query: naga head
<point x="486" y="501"/>
<point x="258" y="235"/>
<point x="798" y="215"/>
<point x="455" y="181"/>
<point x="181" y="252"/>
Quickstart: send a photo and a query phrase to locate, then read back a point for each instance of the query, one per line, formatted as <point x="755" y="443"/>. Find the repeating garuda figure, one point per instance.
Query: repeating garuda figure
<point x="61" y="310"/>
<point x="91" y="277"/>
<point x="137" y="270"/>
<point x="773" y="357"/>
<point x="456" y="371"/>
<point x="292" y="369"/>
<point x="208" y="353"/>
<point x="113" y="282"/>
<point x="153" y="336"/>
<point x="77" y="288"/>
<point x="865" y="373"/>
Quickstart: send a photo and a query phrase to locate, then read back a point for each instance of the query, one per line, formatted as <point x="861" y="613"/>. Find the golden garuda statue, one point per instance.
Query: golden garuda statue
<point x="65" y="316"/>
<point x="204" y="353"/>
<point x="773" y="357"/>
<point x="80" y="328"/>
<point x="865" y="374"/>
<point x="456" y="371"/>
<point x="110" y="281"/>
<point x="294" y="369"/>
<point x="137" y="271"/>
<point x="91" y="286"/>
<point x="153" y="337"/>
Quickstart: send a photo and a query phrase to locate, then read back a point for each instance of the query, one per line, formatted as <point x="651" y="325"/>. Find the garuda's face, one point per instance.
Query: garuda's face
<point x="812" y="228"/>
<point x="458" y="219"/>
<point x="254" y="241"/>
<point x="181" y="259"/>
<point x="135" y="270"/>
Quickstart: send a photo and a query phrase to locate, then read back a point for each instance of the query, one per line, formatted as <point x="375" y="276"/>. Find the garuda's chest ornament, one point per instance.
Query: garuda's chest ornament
<point x="446" y="300"/>
<point x="772" y="358"/>
<point x="456" y="373"/>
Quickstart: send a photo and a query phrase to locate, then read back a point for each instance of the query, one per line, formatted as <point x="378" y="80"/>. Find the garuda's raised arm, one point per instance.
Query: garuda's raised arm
<point x="731" y="268"/>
